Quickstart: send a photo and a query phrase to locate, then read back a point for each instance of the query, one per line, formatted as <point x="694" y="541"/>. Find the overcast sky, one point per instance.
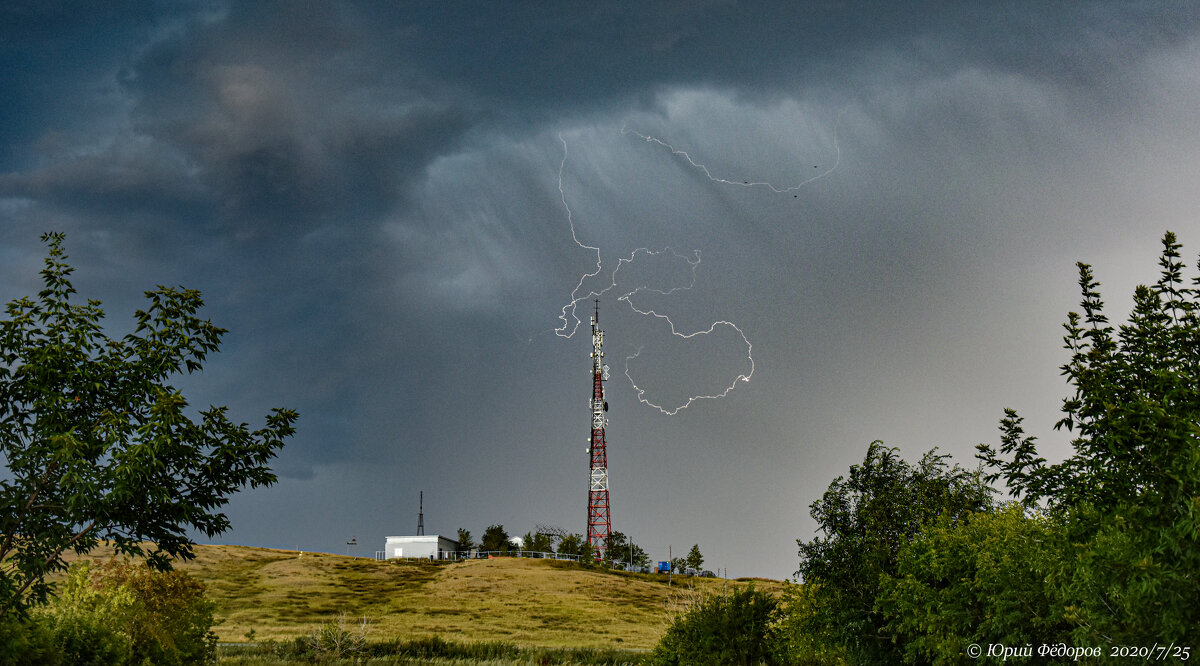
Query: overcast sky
<point x="871" y="212"/>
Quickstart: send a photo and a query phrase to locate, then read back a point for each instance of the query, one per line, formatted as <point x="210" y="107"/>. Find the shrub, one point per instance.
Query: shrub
<point x="792" y="636"/>
<point x="726" y="629"/>
<point x="992" y="579"/>
<point x="85" y="620"/>
<point x="338" y="639"/>
<point x="23" y="641"/>
<point x="124" y="612"/>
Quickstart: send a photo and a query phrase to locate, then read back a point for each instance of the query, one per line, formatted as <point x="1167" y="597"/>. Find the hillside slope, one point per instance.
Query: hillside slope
<point x="281" y="594"/>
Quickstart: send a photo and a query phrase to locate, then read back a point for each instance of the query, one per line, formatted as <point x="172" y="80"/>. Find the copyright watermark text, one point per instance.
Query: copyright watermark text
<point x="1028" y="651"/>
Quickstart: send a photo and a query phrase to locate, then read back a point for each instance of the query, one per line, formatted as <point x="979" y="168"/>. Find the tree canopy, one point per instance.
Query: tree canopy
<point x="1129" y="493"/>
<point x="865" y="520"/>
<point x="495" y="539"/>
<point x="464" y="540"/>
<point x="1135" y="406"/>
<point x="1098" y="551"/>
<point x="986" y="580"/>
<point x="538" y="542"/>
<point x="98" y="445"/>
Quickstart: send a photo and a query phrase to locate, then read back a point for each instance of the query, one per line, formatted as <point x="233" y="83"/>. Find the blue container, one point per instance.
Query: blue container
<point x="664" y="567"/>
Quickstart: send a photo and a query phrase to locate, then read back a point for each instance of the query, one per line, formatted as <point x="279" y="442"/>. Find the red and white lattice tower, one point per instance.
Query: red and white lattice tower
<point x="599" y="522"/>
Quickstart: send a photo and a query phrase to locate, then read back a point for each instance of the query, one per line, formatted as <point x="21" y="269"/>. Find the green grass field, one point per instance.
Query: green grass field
<point x="283" y="594"/>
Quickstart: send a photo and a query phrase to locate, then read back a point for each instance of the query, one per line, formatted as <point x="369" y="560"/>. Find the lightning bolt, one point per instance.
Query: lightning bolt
<point x="745" y="183"/>
<point x="568" y="312"/>
<point x="575" y="297"/>
<point x="571" y="322"/>
<point x="628" y="299"/>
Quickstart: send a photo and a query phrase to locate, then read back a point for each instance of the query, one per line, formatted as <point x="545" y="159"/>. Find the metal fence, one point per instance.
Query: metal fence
<point x="531" y="554"/>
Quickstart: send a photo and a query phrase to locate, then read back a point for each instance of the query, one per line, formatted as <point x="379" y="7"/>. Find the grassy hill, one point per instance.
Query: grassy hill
<point x="281" y="594"/>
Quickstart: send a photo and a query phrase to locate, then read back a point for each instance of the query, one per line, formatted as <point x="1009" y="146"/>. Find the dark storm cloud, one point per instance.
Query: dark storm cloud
<point x="532" y="57"/>
<point x="369" y="197"/>
<point x="255" y="109"/>
<point x="56" y="57"/>
<point x="252" y="150"/>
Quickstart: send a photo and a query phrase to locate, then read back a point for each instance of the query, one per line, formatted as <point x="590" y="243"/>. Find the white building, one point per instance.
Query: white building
<point x="432" y="547"/>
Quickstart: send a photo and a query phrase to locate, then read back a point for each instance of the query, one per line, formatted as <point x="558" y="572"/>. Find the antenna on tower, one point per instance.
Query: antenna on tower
<point x="421" y="516"/>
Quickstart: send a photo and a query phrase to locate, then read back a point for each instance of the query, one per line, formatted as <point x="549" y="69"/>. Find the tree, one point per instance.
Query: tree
<point x="464" y="540"/>
<point x="694" y="559"/>
<point x="96" y="442"/>
<point x="620" y="549"/>
<point x="637" y="556"/>
<point x="1128" y="494"/>
<point x="539" y="542"/>
<point x="570" y="544"/>
<point x="587" y="552"/>
<point x="792" y="636"/>
<point x="495" y="539"/>
<point x="865" y="520"/>
<point x="616" y="548"/>
<point x="554" y="531"/>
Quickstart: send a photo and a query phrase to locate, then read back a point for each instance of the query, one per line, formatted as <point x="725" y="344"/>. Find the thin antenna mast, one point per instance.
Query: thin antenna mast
<point x="421" y="516"/>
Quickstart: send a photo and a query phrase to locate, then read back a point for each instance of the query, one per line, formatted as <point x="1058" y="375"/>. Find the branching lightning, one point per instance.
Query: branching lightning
<point x="627" y="298"/>
<point x="568" y="311"/>
<point x="575" y="297"/>
<point x="743" y="183"/>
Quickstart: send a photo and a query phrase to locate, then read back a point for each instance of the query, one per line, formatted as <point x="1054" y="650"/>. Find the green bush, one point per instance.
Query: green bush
<point x="88" y="641"/>
<point x="122" y="613"/>
<point x="85" y="620"/>
<point x="727" y="629"/>
<point x="338" y="639"/>
<point x="792" y="636"/>
<point x="991" y="579"/>
<point x="23" y="641"/>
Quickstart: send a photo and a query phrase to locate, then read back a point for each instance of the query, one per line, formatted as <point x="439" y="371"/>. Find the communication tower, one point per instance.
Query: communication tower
<point x="599" y="522"/>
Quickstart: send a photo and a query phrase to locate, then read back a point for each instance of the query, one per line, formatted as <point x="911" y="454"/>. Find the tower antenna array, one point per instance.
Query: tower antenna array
<point x="599" y="521"/>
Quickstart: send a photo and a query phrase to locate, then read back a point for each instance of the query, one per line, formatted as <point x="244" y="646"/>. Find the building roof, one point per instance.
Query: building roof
<point x="422" y="538"/>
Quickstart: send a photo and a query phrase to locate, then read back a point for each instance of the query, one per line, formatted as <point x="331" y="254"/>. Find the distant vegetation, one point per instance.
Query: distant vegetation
<point x="619" y="549"/>
<point x="317" y="648"/>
